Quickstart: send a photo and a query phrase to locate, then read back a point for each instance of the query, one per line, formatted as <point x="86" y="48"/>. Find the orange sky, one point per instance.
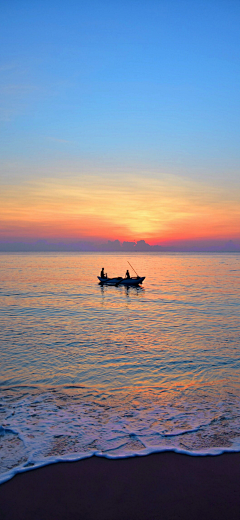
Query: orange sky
<point x="127" y="207"/>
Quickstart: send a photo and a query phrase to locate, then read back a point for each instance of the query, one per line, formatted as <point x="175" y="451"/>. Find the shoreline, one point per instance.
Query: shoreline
<point x="164" y="485"/>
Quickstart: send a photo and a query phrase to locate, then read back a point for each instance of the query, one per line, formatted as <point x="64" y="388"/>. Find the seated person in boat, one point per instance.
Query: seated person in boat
<point x="127" y="275"/>
<point x="102" y="274"/>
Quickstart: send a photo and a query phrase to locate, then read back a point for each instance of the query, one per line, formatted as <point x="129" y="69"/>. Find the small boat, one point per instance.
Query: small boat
<point x="119" y="280"/>
<point x="133" y="280"/>
<point x="110" y="281"/>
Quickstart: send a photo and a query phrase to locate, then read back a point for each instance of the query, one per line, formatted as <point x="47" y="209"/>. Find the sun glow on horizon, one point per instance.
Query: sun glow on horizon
<point x="126" y="207"/>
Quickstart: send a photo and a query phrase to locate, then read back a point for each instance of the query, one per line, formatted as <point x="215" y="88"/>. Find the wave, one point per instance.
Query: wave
<point x="41" y="428"/>
<point x="74" y="458"/>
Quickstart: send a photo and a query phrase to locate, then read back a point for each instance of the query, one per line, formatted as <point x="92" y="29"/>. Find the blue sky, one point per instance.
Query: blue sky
<point x="133" y="86"/>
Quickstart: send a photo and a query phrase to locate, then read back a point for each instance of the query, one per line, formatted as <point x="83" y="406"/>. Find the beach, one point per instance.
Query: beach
<point x="159" y="486"/>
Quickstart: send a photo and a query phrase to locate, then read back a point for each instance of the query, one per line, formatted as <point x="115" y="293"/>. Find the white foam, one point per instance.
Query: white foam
<point x="49" y="427"/>
<point x="148" y="451"/>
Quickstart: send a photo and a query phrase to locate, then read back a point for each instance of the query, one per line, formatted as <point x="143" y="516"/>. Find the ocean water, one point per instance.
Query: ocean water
<point x="113" y="371"/>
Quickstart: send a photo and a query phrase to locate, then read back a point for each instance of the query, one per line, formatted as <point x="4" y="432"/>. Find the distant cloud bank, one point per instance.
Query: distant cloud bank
<point x="115" y="246"/>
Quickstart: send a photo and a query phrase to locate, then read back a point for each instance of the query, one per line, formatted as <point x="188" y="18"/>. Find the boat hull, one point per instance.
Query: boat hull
<point x="132" y="281"/>
<point x="110" y="281"/>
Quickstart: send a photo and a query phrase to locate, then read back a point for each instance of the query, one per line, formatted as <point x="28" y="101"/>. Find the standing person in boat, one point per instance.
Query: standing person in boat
<point x="127" y="275"/>
<point x="102" y="274"/>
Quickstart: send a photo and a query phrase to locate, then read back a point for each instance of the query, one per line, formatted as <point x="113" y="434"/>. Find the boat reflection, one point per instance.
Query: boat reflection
<point x="127" y="289"/>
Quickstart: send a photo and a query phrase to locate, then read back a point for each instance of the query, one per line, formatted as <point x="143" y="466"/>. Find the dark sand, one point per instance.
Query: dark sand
<point x="160" y="486"/>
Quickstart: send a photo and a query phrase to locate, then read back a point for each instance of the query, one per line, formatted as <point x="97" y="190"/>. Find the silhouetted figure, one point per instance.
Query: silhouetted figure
<point x="102" y="274"/>
<point x="127" y="275"/>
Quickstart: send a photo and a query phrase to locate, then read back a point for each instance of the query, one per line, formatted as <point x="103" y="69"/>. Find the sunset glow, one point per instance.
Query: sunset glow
<point x="129" y="207"/>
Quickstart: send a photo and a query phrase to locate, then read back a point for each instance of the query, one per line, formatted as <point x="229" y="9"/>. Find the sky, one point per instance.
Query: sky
<point x="120" y="120"/>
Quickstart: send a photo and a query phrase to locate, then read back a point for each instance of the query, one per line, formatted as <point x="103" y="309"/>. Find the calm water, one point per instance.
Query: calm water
<point x="117" y="372"/>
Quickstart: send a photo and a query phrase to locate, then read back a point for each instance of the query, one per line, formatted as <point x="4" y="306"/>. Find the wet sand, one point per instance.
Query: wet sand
<point x="161" y="486"/>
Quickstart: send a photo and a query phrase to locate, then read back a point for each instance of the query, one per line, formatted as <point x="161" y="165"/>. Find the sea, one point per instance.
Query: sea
<point x="115" y="371"/>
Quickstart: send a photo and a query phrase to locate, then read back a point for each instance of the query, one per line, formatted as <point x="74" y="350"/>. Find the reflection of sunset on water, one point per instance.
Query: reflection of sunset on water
<point x="167" y="323"/>
<point x="115" y="370"/>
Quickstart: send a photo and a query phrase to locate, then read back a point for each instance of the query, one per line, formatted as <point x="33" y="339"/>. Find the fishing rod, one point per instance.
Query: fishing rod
<point x="133" y="269"/>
